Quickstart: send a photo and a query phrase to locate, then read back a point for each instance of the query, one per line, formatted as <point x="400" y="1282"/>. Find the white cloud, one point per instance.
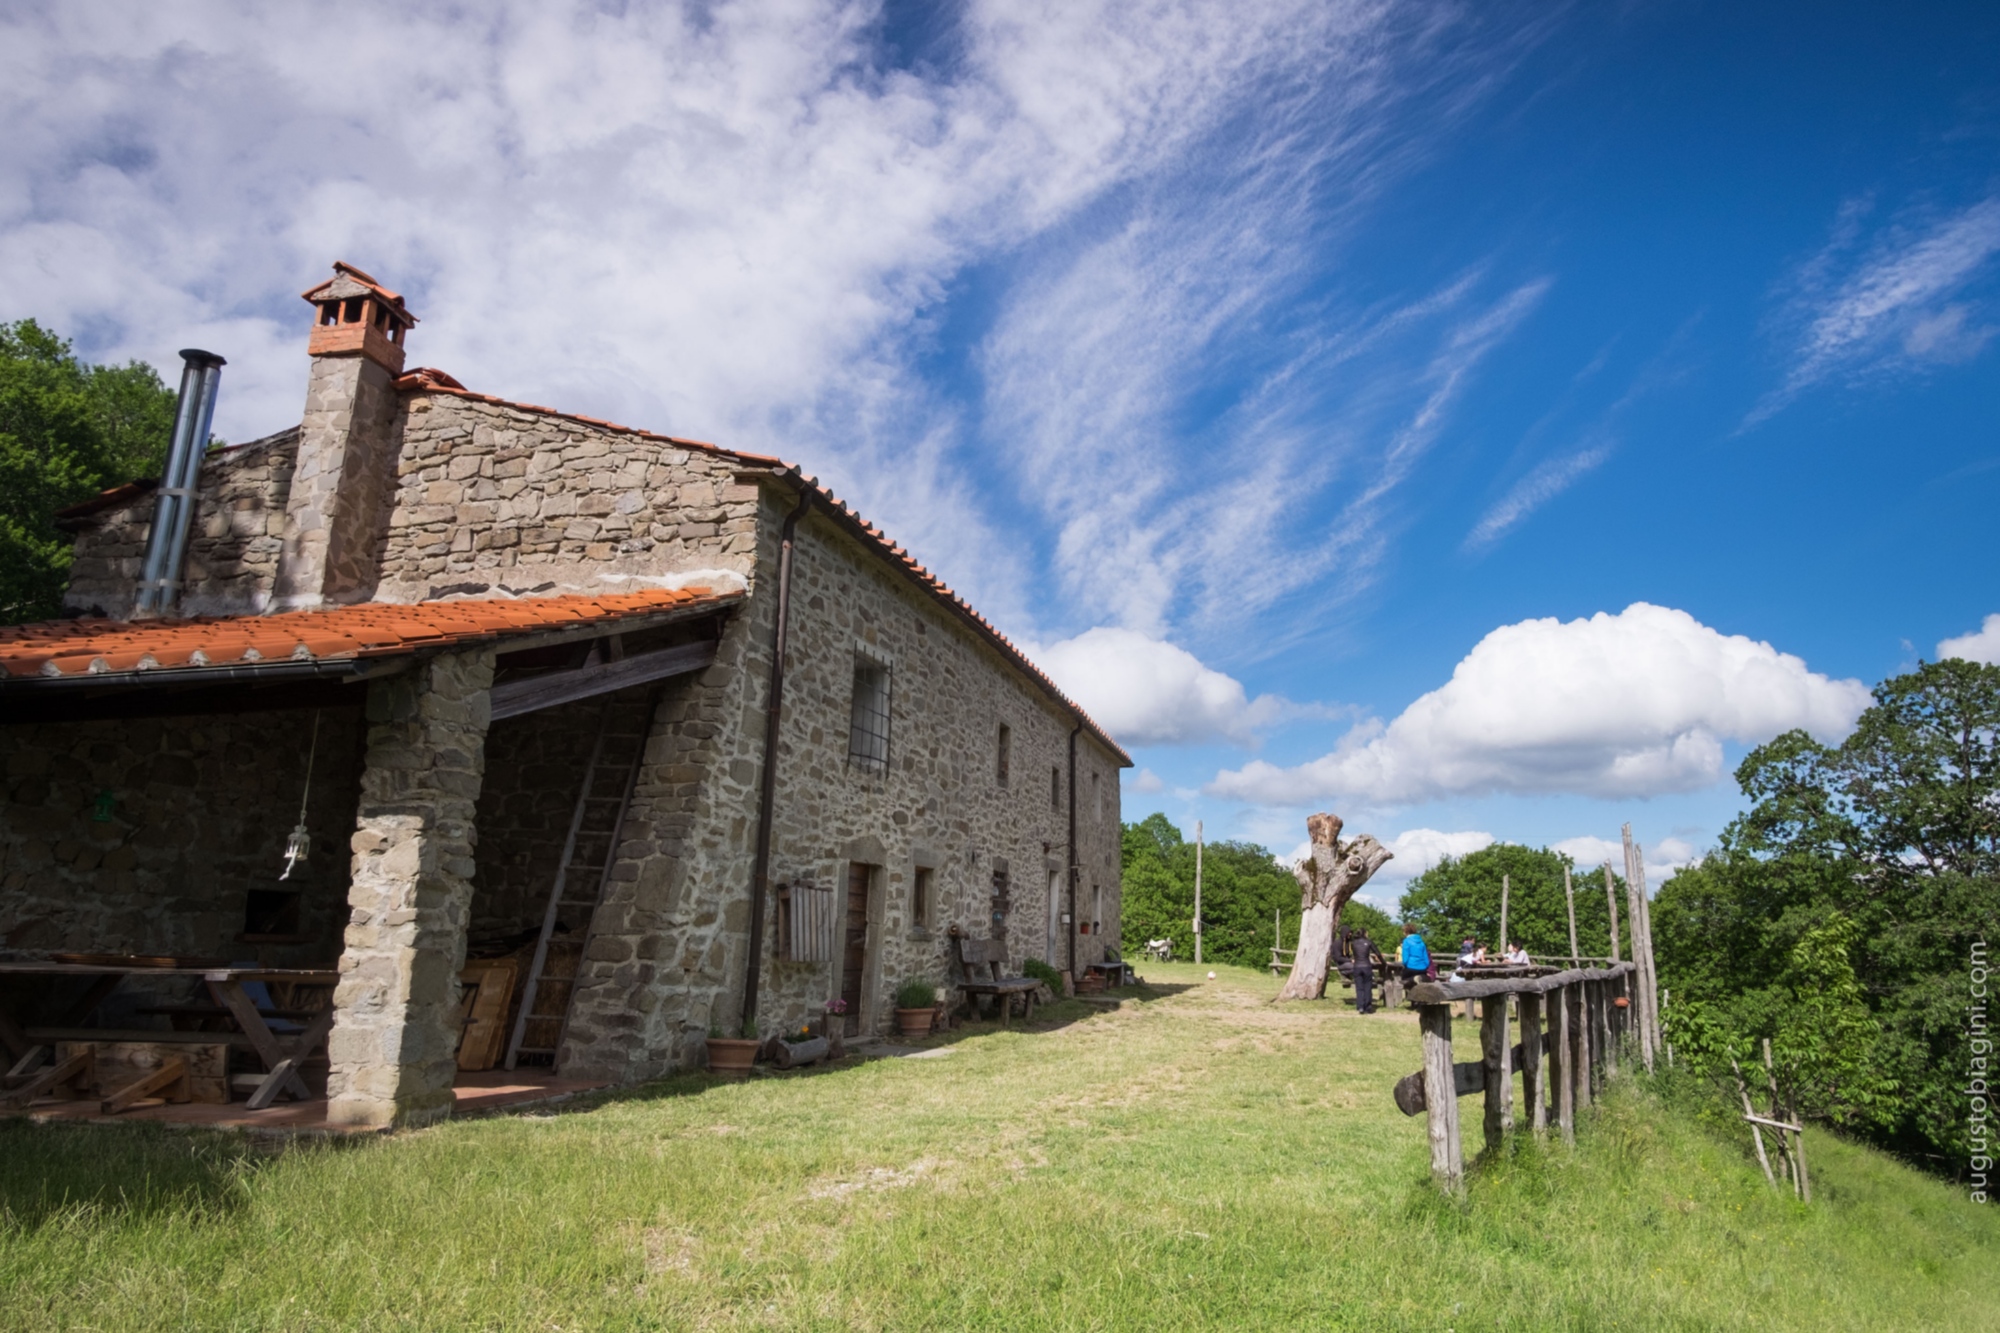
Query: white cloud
<point x="1663" y="858"/>
<point x="1545" y="483"/>
<point x="1634" y="704"/>
<point x="1146" y="782"/>
<point x="1148" y="692"/>
<point x="741" y="221"/>
<point x="1892" y="309"/>
<point x="1982" y="645"/>
<point x="1418" y="849"/>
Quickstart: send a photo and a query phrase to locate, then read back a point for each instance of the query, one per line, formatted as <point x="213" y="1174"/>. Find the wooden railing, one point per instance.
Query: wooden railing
<point x="1589" y="1033"/>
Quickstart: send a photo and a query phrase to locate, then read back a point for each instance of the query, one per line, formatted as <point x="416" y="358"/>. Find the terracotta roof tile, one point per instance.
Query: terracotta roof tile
<point x="58" y="648"/>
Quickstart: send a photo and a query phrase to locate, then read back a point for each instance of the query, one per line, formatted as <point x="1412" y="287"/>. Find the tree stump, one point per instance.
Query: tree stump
<point x="1327" y="879"/>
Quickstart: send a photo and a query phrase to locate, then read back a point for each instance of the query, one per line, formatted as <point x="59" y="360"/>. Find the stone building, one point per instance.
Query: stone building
<point x="493" y="656"/>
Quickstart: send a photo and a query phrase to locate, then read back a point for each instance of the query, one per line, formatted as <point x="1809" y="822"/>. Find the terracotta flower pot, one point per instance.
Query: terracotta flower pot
<point x="731" y="1057"/>
<point x="915" y="1022"/>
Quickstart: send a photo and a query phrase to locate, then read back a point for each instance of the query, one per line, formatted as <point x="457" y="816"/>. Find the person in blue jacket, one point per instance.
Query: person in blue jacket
<point x="1416" y="955"/>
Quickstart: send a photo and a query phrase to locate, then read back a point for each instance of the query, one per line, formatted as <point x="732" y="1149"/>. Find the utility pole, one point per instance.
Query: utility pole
<point x="1506" y="890"/>
<point x="1197" y="891"/>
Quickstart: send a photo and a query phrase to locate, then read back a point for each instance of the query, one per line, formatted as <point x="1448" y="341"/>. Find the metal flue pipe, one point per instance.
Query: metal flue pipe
<point x="173" y="514"/>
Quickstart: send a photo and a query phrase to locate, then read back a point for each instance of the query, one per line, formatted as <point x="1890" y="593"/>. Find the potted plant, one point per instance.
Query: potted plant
<point x="732" y="1057"/>
<point x="916" y="1006"/>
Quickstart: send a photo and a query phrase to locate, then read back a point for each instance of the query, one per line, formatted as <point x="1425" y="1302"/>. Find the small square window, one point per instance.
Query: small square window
<point x="868" y="736"/>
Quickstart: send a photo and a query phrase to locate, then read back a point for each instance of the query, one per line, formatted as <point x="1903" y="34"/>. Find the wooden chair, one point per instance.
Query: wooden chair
<point x="982" y="963"/>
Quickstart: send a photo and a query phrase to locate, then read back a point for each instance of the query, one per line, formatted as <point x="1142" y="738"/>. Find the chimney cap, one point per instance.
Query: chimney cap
<point x="348" y="280"/>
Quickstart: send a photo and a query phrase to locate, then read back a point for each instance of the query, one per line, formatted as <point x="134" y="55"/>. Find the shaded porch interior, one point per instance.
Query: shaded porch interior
<point x="157" y="828"/>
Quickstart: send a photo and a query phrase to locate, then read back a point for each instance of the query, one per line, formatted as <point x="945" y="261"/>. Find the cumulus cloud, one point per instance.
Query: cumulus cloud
<point x="1146" y="782"/>
<point x="1982" y="645"/>
<point x="1867" y="303"/>
<point x="1146" y="691"/>
<point x="1663" y="858"/>
<point x="1633" y="704"/>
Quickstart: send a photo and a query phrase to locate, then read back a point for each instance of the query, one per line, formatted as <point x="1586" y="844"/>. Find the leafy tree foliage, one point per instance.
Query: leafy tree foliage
<point x="67" y="430"/>
<point x="1888" y="844"/>
<point x="1242" y="887"/>
<point x="1460" y="897"/>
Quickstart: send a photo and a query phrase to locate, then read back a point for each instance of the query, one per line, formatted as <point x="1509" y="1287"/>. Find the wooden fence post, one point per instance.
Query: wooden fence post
<point x="1441" y="1097"/>
<point x="1594" y="999"/>
<point x="1561" y="1058"/>
<point x="1497" y="1056"/>
<point x="1579" y="1045"/>
<point x="1531" y="1064"/>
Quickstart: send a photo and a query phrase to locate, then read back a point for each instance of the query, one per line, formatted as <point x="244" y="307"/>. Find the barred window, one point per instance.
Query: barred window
<point x="868" y="737"/>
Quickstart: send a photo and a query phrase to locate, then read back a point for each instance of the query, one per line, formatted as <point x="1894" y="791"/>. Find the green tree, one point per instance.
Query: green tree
<point x="1460" y="897"/>
<point x="67" y="430"/>
<point x="1895" y="832"/>
<point x="1243" y="888"/>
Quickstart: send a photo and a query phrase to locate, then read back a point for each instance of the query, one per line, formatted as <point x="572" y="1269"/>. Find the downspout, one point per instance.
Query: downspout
<point x="767" y="790"/>
<point x="1073" y="868"/>
<point x="173" y="512"/>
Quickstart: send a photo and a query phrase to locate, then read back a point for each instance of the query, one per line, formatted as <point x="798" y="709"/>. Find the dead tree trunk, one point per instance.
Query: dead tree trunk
<point x="1327" y="879"/>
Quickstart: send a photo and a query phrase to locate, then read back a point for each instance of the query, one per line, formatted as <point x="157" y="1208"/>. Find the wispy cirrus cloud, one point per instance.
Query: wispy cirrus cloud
<point x="748" y="222"/>
<point x="1877" y="302"/>
<point x="1548" y="480"/>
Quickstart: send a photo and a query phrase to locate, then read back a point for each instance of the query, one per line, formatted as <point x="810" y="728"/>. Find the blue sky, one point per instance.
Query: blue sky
<point x="1311" y="387"/>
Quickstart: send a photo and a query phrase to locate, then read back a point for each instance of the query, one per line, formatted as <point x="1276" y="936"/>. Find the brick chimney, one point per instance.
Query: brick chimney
<point x="337" y="517"/>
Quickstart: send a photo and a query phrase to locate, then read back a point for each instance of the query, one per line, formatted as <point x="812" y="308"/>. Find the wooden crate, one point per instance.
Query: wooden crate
<point x="123" y="1062"/>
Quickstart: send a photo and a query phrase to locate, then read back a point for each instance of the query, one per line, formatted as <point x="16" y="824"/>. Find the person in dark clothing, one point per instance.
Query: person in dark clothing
<point x="1365" y="956"/>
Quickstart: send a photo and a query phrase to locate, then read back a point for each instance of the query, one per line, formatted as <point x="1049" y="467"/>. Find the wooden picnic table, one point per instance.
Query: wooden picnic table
<point x="281" y="1054"/>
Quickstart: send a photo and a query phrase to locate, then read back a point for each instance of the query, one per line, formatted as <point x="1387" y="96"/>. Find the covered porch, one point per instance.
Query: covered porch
<point x="158" y="773"/>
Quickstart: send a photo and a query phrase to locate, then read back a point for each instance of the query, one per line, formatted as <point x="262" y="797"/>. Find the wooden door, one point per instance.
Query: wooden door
<point x="854" y="956"/>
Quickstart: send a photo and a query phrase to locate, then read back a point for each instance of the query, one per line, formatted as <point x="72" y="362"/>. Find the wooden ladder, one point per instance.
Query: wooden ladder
<point x="595" y="823"/>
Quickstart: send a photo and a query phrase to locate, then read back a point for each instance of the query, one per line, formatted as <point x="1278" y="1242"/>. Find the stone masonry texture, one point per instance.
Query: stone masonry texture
<point x="395" y="1032"/>
<point x="487" y="499"/>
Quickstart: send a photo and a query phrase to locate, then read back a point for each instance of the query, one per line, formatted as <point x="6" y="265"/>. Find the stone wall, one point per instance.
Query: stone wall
<point x="147" y="835"/>
<point x="487" y="499"/>
<point x="232" y="559"/>
<point x="666" y="958"/>
<point x="495" y="498"/>
<point x="395" y="1033"/>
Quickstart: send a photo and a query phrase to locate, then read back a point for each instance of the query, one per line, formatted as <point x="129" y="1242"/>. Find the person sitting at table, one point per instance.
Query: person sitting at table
<point x="1468" y="953"/>
<point x="1517" y="956"/>
<point x="1416" y="955"/>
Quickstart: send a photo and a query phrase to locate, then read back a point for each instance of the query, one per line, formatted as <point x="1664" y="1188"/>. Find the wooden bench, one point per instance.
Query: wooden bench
<point x="982" y="962"/>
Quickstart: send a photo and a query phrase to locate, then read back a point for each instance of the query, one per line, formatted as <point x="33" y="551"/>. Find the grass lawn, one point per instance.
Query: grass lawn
<point x="1201" y="1159"/>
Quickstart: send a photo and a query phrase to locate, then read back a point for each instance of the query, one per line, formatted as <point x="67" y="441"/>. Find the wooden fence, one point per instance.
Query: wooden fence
<point x="1577" y="1027"/>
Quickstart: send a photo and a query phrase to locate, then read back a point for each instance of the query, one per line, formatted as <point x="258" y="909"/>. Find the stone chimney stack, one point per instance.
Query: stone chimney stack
<point x="338" y="515"/>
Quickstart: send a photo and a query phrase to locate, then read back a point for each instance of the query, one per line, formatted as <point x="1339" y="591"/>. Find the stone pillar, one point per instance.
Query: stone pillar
<point x="395" y="1030"/>
<point x="336" y="519"/>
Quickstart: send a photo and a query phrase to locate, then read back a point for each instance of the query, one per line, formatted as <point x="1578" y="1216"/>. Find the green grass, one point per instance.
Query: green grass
<point x="1200" y="1160"/>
